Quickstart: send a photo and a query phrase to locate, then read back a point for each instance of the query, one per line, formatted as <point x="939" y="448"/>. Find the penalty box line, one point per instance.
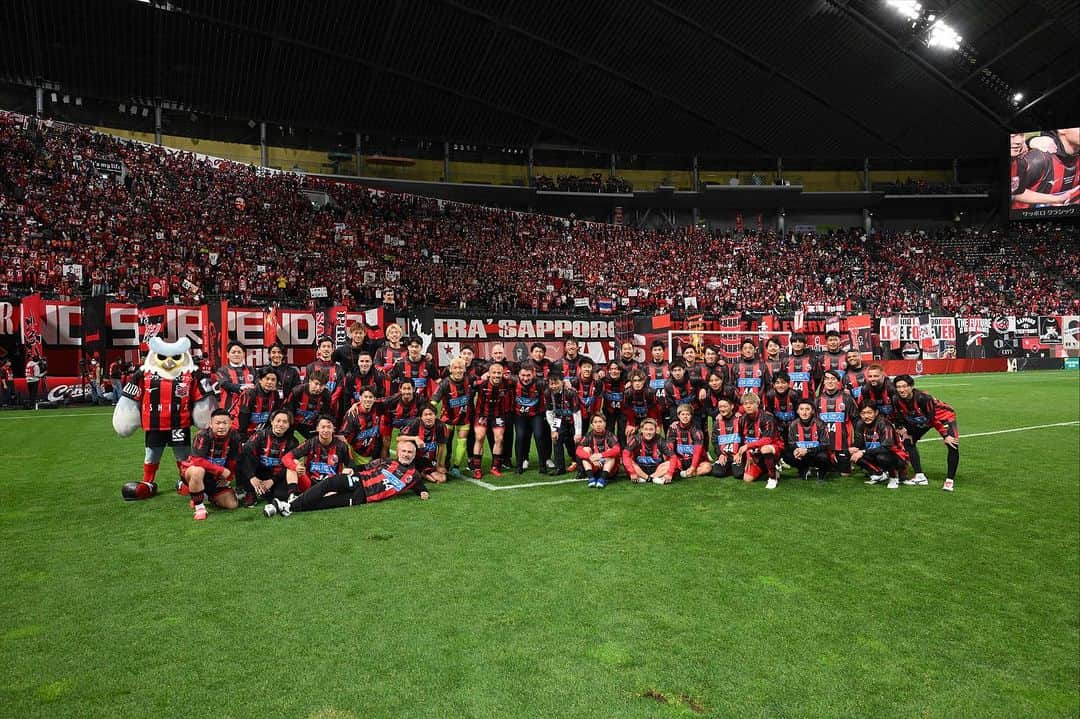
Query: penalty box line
<point x="497" y="488"/>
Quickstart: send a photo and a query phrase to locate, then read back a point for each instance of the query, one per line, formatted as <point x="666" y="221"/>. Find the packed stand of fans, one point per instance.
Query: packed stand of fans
<point x="207" y="228"/>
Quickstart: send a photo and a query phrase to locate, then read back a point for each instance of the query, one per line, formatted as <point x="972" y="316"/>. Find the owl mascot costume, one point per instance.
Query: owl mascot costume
<point x="165" y="397"/>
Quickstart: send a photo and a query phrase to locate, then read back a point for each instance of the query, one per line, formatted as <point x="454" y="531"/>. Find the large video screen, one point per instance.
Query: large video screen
<point x="1044" y="177"/>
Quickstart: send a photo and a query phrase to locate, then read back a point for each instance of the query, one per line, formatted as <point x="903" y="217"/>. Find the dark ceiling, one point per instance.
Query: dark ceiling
<point x="820" y="78"/>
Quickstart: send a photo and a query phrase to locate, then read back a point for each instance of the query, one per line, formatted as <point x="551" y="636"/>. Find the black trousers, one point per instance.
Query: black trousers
<point x="819" y="459"/>
<point x="531" y="428"/>
<point x="348" y="492"/>
<point x="880" y="459"/>
<point x="248" y="467"/>
<point x="564" y="445"/>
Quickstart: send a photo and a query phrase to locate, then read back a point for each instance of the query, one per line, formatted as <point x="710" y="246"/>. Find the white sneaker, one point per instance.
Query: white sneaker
<point x="894" y="483"/>
<point x="771" y="484"/>
<point x="269" y="510"/>
<point x="876" y="478"/>
<point x="283" y="508"/>
<point x="550" y="464"/>
<point x="919" y="480"/>
<point x="525" y="464"/>
<point x="948" y="486"/>
<point x="659" y="480"/>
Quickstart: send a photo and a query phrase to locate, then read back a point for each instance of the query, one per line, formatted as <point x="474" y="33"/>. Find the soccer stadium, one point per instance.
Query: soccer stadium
<point x="489" y="358"/>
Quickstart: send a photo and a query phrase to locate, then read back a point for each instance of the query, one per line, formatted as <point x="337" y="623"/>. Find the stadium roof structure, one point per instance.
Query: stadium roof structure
<point x="814" y="78"/>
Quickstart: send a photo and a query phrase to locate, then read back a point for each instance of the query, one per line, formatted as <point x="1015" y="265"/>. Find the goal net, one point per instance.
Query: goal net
<point x="728" y="341"/>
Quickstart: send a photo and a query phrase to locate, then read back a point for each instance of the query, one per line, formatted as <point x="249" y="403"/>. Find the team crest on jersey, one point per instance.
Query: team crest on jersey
<point x="183" y="387"/>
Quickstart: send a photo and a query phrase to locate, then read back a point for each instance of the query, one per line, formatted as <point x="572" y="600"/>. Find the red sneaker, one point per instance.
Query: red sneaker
<point x="200" y="513"/>
<point x="496" y="472"/>
<point x="477" y="474"/>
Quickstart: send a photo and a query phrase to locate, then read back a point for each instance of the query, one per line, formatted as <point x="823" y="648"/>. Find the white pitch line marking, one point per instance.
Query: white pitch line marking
<point x="1014" y="429"/>
<point x="38" y="414"/>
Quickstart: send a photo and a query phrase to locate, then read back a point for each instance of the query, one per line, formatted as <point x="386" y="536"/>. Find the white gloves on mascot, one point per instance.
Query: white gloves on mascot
<point x="165" y="396"/>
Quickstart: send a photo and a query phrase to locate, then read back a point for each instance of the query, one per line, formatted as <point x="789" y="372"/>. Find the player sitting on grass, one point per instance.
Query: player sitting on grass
<point x="598" y="453"/>
<point x="686" y="443"/>
<point x="382" y="479"/>
<point x="646" y="456"/>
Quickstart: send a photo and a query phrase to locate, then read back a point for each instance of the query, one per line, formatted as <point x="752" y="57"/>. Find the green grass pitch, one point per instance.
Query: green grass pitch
<point x="704" y="598"/>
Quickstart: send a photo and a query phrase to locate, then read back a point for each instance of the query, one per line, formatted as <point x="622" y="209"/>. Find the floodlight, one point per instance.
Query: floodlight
<point x="1018" y="97"/>
<point x="941" y="35"/>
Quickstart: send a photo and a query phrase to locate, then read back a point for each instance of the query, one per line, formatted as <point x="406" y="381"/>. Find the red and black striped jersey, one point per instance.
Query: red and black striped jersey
<point x="386" y="478"/>
<point x="320" y="460"/>
<point x="604" y="444"/>
<point x="254" y="408"/>
<point x="167" y="403"/>
<point x="680" y="393"/>
<point x="564" y="403"/>
<point x="421" y="373"/>
<point x="711" y="404"/>
<point x="656" y="376"/>
<point x="386" y="357"/>
<point x="922" y="410"/>
<point x="854" y="380"/>
<point x="356" y="381"/>
<point x="839" y="412"/>
<point x="835" y="361"/>
<point x="268" y="449"/>
<point x="753" y="376"/>
<point x="454" y="396"/>
<point x="758" y="429"/>
<point x="529" y="398"/>
<point x="396" y="411"/>
<point x="640" y="403"/>
<point x="879" y="434"/>
<point x="230" y="381"/>
<point x="306" y="407"/>
<point x="568" y="366"/>
<point x="883" y="397"/>
<point x="590" y="395"/>
<point x="219" y="451"/>
<point x="431" y="438"/>
<point x="335" y="383"/>
<point x="685" y="440"/>
<point x="613" y="392"/>
<point x="362" y="430"/>
<point x="782" y="406"/>
<point x="811" y="436"/>
<point x="647" y="453"/>
<point x="493" y="400"/>
<point x="805" y="374"/>
<point x="726" y="434"/>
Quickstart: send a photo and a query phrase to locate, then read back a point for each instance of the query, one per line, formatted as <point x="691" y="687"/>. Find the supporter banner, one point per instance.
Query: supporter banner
<point x="1050" y="330"/>
<point x="1027" y="326"/>
<point x="271" y="325"/>
<point x="859" y="329"/>
<point x="215" y="337"/>
<point x="598" y="337"/>
<point x="33" y="316"/>
<point x="113" y="167"/>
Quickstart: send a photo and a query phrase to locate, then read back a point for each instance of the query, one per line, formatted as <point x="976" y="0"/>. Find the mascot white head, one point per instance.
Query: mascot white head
<point x="169" y="360"/>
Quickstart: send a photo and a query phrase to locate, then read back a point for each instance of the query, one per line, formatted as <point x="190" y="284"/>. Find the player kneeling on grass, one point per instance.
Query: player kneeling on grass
<point x="260" y="471"/>
<point x="597" y="453"/>
<point x="761" y="444"/>
<point x="430" y="435"/>
<point x="916" y="412"/>
<point x="646" y="456"/>
<point x="318" y="458"/>
<point x="382" y="479"/>
<point x="877" y="449"/>
<point x="209" y="468"/>
<point x="808" y="443"/>
<point x="686" y="442"/>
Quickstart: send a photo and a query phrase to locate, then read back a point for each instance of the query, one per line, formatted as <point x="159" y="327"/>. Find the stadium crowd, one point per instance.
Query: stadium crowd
<point x="187" y="227"/>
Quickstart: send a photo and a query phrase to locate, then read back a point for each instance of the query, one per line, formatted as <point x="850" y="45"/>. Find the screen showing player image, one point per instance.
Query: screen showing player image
<point x="1044" y="178"/>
